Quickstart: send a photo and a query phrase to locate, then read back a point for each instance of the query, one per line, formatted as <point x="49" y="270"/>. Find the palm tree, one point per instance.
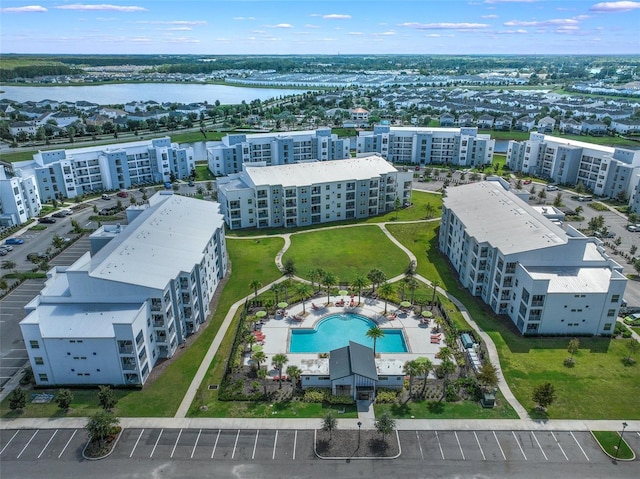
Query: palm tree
<point x="424" y="368"/>
<point x="278" y="361"/>
<point x="262" y="374"/>
<point x="259" y="357"/>
<point x="294" y="372"/>
<point x="374" y="332"/>
<point x="8" y="264"/>
<point x="313" y="276"/>
<point x="412" y="284"/>
<point x="435" y="285"/>
<point x="358" y="283"/>
<point x="304" y="290"/>
<point x="385" y="291"/>
<point x="376" y="276"/>
<point x="329" y="280"/>
<point x="255" y="285"/>
<point x="276" y="288"/>
<point x="411" y="369"/>
<point x="447" y="367"/>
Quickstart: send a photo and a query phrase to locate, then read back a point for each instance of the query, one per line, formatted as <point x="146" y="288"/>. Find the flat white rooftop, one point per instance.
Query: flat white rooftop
<point x="317" y="172"/>
<point x="492" y="214"/>
<point x="573" y="280"/>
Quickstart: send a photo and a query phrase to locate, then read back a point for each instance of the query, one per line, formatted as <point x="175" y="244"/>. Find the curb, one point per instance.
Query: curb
<point x="355" y="458"/>
<point x="113" y="447"/>
<point x="612" y="457"/>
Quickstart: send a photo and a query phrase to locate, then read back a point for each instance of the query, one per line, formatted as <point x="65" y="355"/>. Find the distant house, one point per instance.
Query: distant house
<point x="86" y="105"/>
<point x="546" y="125"/>
<point x="593" y="127"/>
<point x="485" y="121"/>
<point x="524" y="123"/>
<point x="465" y="120"/>
<point x="570" y="126"/>
<point x="447" y="120"/>
<point x="359" y="114"/>
<point x="503" y="123"/>
<point x="625" y="127"/>
<point x="22" y="126"/>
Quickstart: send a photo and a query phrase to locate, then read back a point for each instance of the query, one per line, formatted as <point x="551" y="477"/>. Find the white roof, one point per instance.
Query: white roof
<point x="168" y="238"/>
<point x="318" y="172"/>
<point x="492" y="214"/>
<point x="81" y="320"/>
<point x="573" y="280"/>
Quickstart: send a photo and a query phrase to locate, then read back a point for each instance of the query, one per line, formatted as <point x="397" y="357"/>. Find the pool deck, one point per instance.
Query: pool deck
<point x="417" y="336"/>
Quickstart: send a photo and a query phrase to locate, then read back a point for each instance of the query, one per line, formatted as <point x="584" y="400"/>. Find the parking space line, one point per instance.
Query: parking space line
<point x="275" y="442"/>
<point x="295" y="443"/>
<point x="156" y="444"/>
<point x="538" y="443"/>
<point x="439" y="445"/>
<point x="459" y="445"/>
<point x="136" y="444"/>
<point x="499" y="445"/>
<point x="574" y="438"/>
<point x="478" y="441"/>
<point x="176" y="444"/>
<point x="7" y="444"/>
<point x="519" y="445"/>
<point x="255" y="444"/>
<point x="196" y="444"/>
<point x="419" y="445"/>
<point x="27" y="444"/>
<point x="67" y="444"/>
<point x="48" y="442"/>
<point x="235" y="444"/>
<point x="215" y="444"/>
<point x="555" y="439"/>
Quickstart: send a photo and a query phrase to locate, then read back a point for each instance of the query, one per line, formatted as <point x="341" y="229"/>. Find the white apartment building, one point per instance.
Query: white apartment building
<point x="110" y="316"/>
<point x="70" y="173"/>
<point x="312" y="193"/>
<point x="428" y="146"/>
<point x="19" y="199"/>
<point x="549" y="279"/>
<point x="604" y="170"/>
<point x="285" y="148"/>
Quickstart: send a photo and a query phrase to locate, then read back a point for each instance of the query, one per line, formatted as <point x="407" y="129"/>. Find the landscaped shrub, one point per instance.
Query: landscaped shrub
<point x="311" y="395"/>
<point x="626" y="334"/>
<point x="451" y="394"/>
<point x="343" y="400"/>
<point x="386" y="396"/>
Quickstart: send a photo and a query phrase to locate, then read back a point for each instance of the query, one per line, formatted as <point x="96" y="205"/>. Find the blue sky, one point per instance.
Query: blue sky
<point x="320" y="27"/>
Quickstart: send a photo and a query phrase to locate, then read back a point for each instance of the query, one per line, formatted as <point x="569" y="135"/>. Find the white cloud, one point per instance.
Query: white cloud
<point x="244" y="18"/>
<point x="310" y="25"/>
<point x="614" y="7"/>
<point x="390" y="32"/>
<point x="113" y="8"/>
<point x="511" y="32"/>
<point x="281" y="25"/>
<point x="444" y="26"/>
<point x="26" y="9"/>
<point x="336" y="16"/>
<point x="191" y="23"/>
<point x="511" y="1"/>
<point x="182" y="40"/>
<point x="543" y="23"/>
<point x="355" y="33"/>
<point x="179" y="29"/>
<point x="489" y="16"/>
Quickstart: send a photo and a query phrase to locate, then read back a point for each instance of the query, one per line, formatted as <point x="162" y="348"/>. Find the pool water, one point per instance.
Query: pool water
<point x="336" y="330"/>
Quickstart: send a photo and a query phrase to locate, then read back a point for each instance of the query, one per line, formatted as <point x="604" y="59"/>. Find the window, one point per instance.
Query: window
<point x="38" y="360"/>
<point x="43" y="377"/>
<point x="615" y="298"/>
<point x="34" y="344"/>
<point x="611" y="313"/>
<point x="607" y="327"/>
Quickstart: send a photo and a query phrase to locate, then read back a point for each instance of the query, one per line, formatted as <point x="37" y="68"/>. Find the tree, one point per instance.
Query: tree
<point x="572" y="348"/>
<point x="557" y="202"/>
<point x="107" y="398"/>
<point x="132" y="200"/>
<point x="294" y="372"/>
<point x="385" y="425"/>
<point x="259" y="357"/>
<point x="328" y="281"/>
<point x="64" y="398"/>
<point x="57" y="241"/>
<point x="544" y="395"/>
<point x="488" y="376"/>
<point x="4" y="284"/>
<point x="262" y="374"/>
<point x="255" y="285"/>
<point x="430" y="210"/>
<point x="304" y="290"/>
<point x="412" y="284"/>
<point x="358" y="283"/>
<point x="385" y="291"/>
<point x="17" y="399"/>
<point x="276" y="288"/>
<point x="424" y="368"/>
<point x="329" y="423"/>
<point x="278" y="361"/>
<point x="289" y="268"/>
<point x="8" y="264"/>
<point x="374" y="332"/>
<point x="314" y="275"/>
<point x="396" y="205"/>
<point x="633" y="346"/>
<point x="411" y="369"/>
<point x="376" y="276"/>
<point x="435" y="285"/>
<point x="633" y="249"/>
<point x="446" y="368"/>
<point x="101" y="425"/>
<point x="542" y="195"/>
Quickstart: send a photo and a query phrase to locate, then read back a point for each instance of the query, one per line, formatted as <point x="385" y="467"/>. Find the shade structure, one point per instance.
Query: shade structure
<point x="427" y="314"/>
<point x="343" y="292"/>
<point x="283" y="304"/>
<point x="256" y="347"/>
<point x="405" y="304"/>
<point x="261" y="314"/>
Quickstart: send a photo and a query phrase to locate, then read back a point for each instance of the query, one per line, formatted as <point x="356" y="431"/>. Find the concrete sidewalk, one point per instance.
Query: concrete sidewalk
<point x="315" y="423"/>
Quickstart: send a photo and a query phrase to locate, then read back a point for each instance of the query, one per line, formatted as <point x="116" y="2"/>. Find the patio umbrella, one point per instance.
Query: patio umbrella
<point x="405" y="304"/>
<point x="256" y="347"/>
<point x="343" y="292"/>
<point x="427" y="314"/>
<point x="261" y="314"/>
<point x="282" y="304"/>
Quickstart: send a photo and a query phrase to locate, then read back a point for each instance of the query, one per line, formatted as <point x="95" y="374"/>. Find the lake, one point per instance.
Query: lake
<point x="120" y="93"/>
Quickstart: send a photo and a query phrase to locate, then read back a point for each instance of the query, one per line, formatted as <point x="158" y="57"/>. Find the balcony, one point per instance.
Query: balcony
<point x="126" y="349"/>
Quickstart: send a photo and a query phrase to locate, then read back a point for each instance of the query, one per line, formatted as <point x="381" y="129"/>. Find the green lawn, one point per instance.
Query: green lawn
<point x="203" y="173"/>
<point x="446" y="410"/>
<point x="346" y="252"/>
<point x="609" y="441"/>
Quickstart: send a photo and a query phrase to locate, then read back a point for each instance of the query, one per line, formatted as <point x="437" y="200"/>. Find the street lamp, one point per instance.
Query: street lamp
<point x="624" y="426"/>
<point x="359" y="426"/>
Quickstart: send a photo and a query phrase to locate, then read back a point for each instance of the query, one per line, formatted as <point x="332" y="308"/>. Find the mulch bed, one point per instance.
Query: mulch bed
<point x="101" y="449"/>
<point x="344" y="444"/>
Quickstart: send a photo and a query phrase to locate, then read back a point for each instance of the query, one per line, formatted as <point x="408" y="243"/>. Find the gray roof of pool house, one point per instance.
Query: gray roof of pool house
<point x="353" y="359"/>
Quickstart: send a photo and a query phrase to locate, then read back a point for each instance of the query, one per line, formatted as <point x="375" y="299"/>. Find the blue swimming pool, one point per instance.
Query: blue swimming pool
<point x="336" y="330"/>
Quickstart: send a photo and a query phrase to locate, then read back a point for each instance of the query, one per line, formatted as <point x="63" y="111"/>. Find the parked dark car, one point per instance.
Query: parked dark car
<point x="13" y="241"/>
<point x="59" y="214"/>
<point x="35" y="257"/>
<point x="122" y="194"/>
<point x="46" y="219"/>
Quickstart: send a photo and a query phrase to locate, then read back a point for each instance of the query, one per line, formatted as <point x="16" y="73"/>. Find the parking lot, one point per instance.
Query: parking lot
<point x="288" y="445"/>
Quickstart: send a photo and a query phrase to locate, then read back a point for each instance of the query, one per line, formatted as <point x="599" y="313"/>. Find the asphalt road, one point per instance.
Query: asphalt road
<point x="186" y="453"/>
